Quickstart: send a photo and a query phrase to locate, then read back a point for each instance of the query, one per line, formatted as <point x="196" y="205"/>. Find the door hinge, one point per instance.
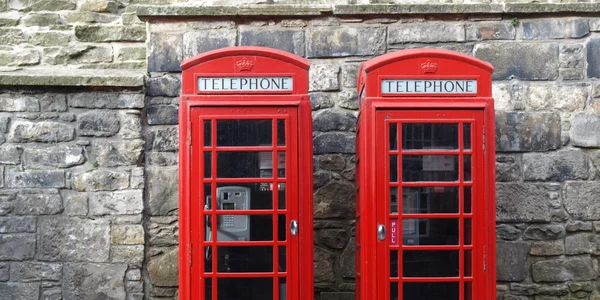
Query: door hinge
<point x="191" y="253"/>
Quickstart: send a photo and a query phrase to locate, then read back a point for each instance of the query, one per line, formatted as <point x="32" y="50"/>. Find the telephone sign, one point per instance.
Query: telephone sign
<point x="425" y="176"/>
<point x="245" y="201"/>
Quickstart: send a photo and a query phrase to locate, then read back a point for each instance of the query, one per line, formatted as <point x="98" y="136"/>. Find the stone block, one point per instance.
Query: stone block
<point x="345" y="41"/>
<point x="18" y="290"/>
<point x="9" y="18"/>
<point x="131" y="125"/>
<point x="12" y="36"/>
<point x="128" y="234"/>
<point x="79" y="16"/>
<point x="335" y="200"/>
<point x="22" y="131"/>
<point x="106" y="100"/>
<point x="162" y="115"/>
<point x="525" y="132"/>
<point x="511" y="260"/>
<point x="7" y="202"/>
<point x="162" y="186"/>
<point x="579" y="199"/>
<point x="321" y="100"/>
<point x="18" y="103"/>
<point x="116" y="203"/>
<point x="4" y="271"/>
<point x="337" y="296"/>
<point x="94" y="281"/>
<point x="290" y="40"/>
<point x="41" y="19"/>
<point x="163" y="231"/>
<point x="593" y="57"/>
<point x="163" y="268"/>
<point x="584" y="130"/>
<point x="110" y="33"/>
<point x="164" y="85"/>
<point x="101" y="180"/>
<point x="100" y="6"/>
<point x="490" y="31"/>
<point x="17" y="246"/>
<point x="324" y="77"/>
<point x="19" y="57"/>
<point x="76" y="53"/>
<point x="525" y="61"/>
<point x="35" y="271"/>
<point x="333" y="238"/>
<point x="507" y="232"/>
<point x="130" y="19"/>
<point x="348" y="260"/>
<point x="566" y="269"/>
<point x="17" y="224"/>
<point x="129" y="254"/>
<point x="554" y="28"/>
<point x="335" y="142"/>
<point x="564" y="97"/>
<point x="561" y="165"/>
<point x="117" y="153"/>
<point x="543" y="232"/>
<point x="73" y="239"/>
<point x="581" y="243"/>
<point x="573" y="226"/>
<point x="165" y="52"/>
<point x="75" y="204"/>
<point x="49" y="5"/>
<point x="333" y="119"/>
<point x="133" y="274"/>
<point x="165" y="139"/>
<point x="42" y="202"/>
<point x="53" y="102"/>
<point x="98" y="123"/>
<point x="134" y="287"/>
<point x="350" y="75"/>
<point x="348" y="99"/>
<point x="196" y="42"/>
<point x="524" y="202"/>
<point x="508" y="168"/>
<point x="324" y="265"/>
<point x="60" y="156"/>
<point x="426" y="33"/>
<point x="547" y="248"/>
<point x="10" y="154"/>
<point x="15" y="178"/>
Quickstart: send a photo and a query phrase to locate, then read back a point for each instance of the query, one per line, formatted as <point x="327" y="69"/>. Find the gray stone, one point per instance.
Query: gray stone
<point x="163" y="231"/>
<point x="579" y="199"/>
<point x="75" y="204"/>
<point x="165" y="52"/>
<point x="345" y="41"/>
<point x="60" y="156"/>
<point x="45" y="132"/>
<point x="323" y="265"/>
<point x="128" y="53"/>
<point x="593" y="57"/>
<point x="350" y="75"/>
<point x="12" y="36"/>
<point x="7" y="200"/>
<point x="78" y="54"/>
<point x="335" y="142"/>
<point x="15" y="178"/>
<point x="321" y="100"/>
<point x="9" y="18"/>
<point x="35" y="271"/>
<point x="524" y="132"/>
<point x="196" y="42"/>
<point x="335" y="200"/>
<point x="162" y="115"/>
<point x="17" y="224"/>
<point x="547" y="248"/>
<point x="490" y="31"/>
<point x="101" y="180"/>
<point x="348" y="99"/>
<point x="584" y="131"/>
<point x="333" y="119"/>
<point x="337" y="296"/>
<point x="97" y="123"/>
<point x="17" y="246"/>
<point x="41" y="19"/>
<point x="507" y="232"/>
<point x="10" y="154"/>
<point x="130" y="254"/>
<point x="18" y="290"/>
<point x="581" y="243"/>
<point x="4" y="271"/>
<point x="331" y="162"/>
<point x="117" y="153"/>
<point x="106" y="100"/>
<point x="17" y="103"/>
<point x="49" y="5"/>
<point x="4" y="123"/>
<point x="133" y="274"/>
<point x="536" y="289"/>
<point x="131" y="125"/>
<point x="134" y="286"/>
<point x="554" y="29"/>
<point x="162" y="189"/>
<point x="164" y="85"/>
<point x="573" y="226"/>
<point x="564" y="97"/>
<point x="163" y="159"/>
<point x="561" y="165"/>
<point x="544" y="232"/>
<point x="39" y="203"/>
<point x="53" y="102"/>
<point x="290" y="40"/>
<point x="116" y="203"/>
<point x="570" y="268"/>
<point x="323" y="77"/>
<point x="94" y="281"/>
<point x="20" y="57"/>
<point x="91" y="17"/>
<point x="128" y="234"/>
<point x="99" y="6"/>
<point x="511" y="261"/>
<point x="426" y="33"/>
<point x="507" y="169"/>
<point x="525" y="61"/>
<point x="348" y="260"/>
<point x="165" y="139"/>
<point x="106" y="33"/>
<point x="163" y="268"/>
<point x="522" y="202"/>
<point x="333" y="238"/>
<point x="73" y="239"/>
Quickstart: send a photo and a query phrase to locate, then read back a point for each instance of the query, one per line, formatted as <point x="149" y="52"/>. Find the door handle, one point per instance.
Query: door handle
<point x="294" y="227"/>
<point x="381" y="232"/>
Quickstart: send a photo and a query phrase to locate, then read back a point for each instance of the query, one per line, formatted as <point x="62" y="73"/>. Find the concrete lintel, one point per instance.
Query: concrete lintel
<point x="71" y="77"/>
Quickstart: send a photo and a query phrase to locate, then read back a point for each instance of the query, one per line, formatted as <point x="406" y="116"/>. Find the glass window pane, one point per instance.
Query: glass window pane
<point x="467" y="136"/>
<point x="281" y="132"/>
<point x="393" y="168"/>
<point x="468" y="237"/>
<point x="437" y="263"/>
<point x="232" y="228"/>
<point x="467" y="199"/>
<point x="394" y="200"/>
<point x="430" y="200"/>
<point x="468" y="263"/>
<point x="429" y="136"/>
<point x="243" y="196"/>
<point x="207" y="133"/>
<point x="244" y="164"/>
<point x="393" y="263"/>
<point x="245" y="259"/>
<point x="207" y="199"/>
<point x="207" y="164"/>
<point x="281" y="228"/>
<point x="431" y="290"/>
<point x="282" y="259"/>
<point x="394" y="291"/>
<point x="281" y="196"/>
<point x="467" y="171"/>
<point x="208" y="259"/>
<point x="468" y="290"/>
<point x="430" y="231"/>
<point x="283" y="288"/>
<point x="281" y="164"/>
<point x="429" y="168"/>
<point x="245" y="288"/>
<point x="208" y="288"/>
<point x="244" y="132"/>
<point x="393" y="137"/>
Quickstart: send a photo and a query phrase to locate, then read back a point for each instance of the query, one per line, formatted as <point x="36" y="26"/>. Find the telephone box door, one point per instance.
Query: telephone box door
<point x="430" y="198"/>
<point x="246" y="191"/>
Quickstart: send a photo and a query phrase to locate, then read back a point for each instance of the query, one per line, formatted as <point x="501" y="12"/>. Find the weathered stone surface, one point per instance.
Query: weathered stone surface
<point x="507" y="168"/>
<point x="584" y="131"/>
<point x="335" y="142"/>
<point x="536" y="289"/>
<point x="7" y="200"/>
<point x="526" y="61"/>
<point x="593" y="57"/>
<point x="131" y="125"/>
<point x="348" y="99"/>
<point x="35" y="271"/>
<point x="130" y="254"/>
<point x="555" y="29"/>
<point x="571" y="268"/>
<point x="561" y="165"/>
<point x="10" y="154"/>
<point x="162" y="115"/>
<point x="522" y="202"/>
<point x="511" y="260"/>
<point x="331" y="162"/>
<point x="333" y="119"/>
<point x="196" y="42"/>
<point x="18" y="102"/>
<point x="333" y="238"/>
<point x="490" y="31"/>
<point x="53" y="102"/>
<point x="106" y="100"/>
<point x="4" y="271"/>
<point x="128" y="53"/>
<point x="163" y="159"/>
<point x="162" y="186"/>
<point x="99" y="33"/>
<point x="335" y="200"/>
<point x="12" y="36"/>
<point x="547" y="248"/>
<point x="17" y="246"/>
<point x="99" y="6"/>
<point x="101" y="180"/>
<point x="323" y="77"/>
<point x="581" y="243"/>
<point x="348" y="260"/>
<point x="49" y="5"/>
<point x="17" y="224"/>
<point x="44" y="202"/>
<point x="544" y="232"/>
<point x="80" y="16"/>
<point x="290" y="40"/>
<point x="572" y="226"/>
<point x="98" y="123"/>
<point x="165" y="52"/>
<point x="75" y="204"/>
<point x="579" y="199"/>
<point x="116" y="203"/>
<point x="18" y="290"/>
<point x="77" y="54"/>
<point x="20" y="57"/>
<point x="15" y="178"/>
<point x="507" y="232"/>
<point x="523" y="132"/>
<point x="128" y="234"/>
<point x="163" y="268"/>
<point x="345" y="41"/>
<point x="60" y="156"/>
<point x="41" y="19"/>
<point x="73" y="239"/>
<point x="133" y="274"/>
<point x="94" y="281"/>
<point x="165" y="139"/>
<point x="117" y="153"/>
<point x="45" y="132"/>
<point x="164" y="85"/>
<point x="426" y="33"/>
<point x="564" y="97"/>
<point x="323" y="265"/>
<point x="163" y="231"/>
<point x="321" y="100"/>
<point x="9" y="18"/>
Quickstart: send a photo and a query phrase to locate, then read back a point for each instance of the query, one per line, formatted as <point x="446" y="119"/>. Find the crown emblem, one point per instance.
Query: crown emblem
<point x="244" y="65"/>
<point x="429" y="67"/>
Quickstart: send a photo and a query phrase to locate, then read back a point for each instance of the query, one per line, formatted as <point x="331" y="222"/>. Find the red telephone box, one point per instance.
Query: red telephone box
<point x="245" y="201"/>
<point x="426" y="192"/>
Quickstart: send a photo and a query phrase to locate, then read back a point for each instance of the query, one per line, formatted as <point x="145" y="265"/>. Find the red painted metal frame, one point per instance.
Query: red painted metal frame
<point x="371" y="265"/>
<point x="222" y="63"/>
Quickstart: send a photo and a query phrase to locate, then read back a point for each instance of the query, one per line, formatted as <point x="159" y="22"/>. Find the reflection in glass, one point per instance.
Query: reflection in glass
<point x="436" y="263"/>
<point x="393" y="263"/>
<point x="244" y="132"/>
<point x="393" y="168"/>
<point x="429" y="168"/>
<point x="393" y="291"/>
<point x="430" y="231"/>
<point x="468" y="237"/>
<point x="283" y="295"/>
<point x="242" y="196"/>
<point x="429" y="136"/>
<point x="245" y="259"/>
<point x="244" y="164"/>
<point x="468" y="263"/>
<point x="430" y="200"/>
<point x="281" y="132"/>
<point x="431" y="290"/>
<point x="207" y="199"/>
<point x="207" y="133"/>
<point x="393" y="136"/>
<point x="467" y="170"/>
<point x="467" y="199"/>
<point x="207" y="164"/>
<point x="467" y="136"/>
<point x="208" y="259"/>
<point x="282" y="259"/>
<point x="281" y="196"/>
<point x="245" y="288"/>
<point x="394" y="200"/>
<point x="281" y="164"/>
<point x="245" y="228"/>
